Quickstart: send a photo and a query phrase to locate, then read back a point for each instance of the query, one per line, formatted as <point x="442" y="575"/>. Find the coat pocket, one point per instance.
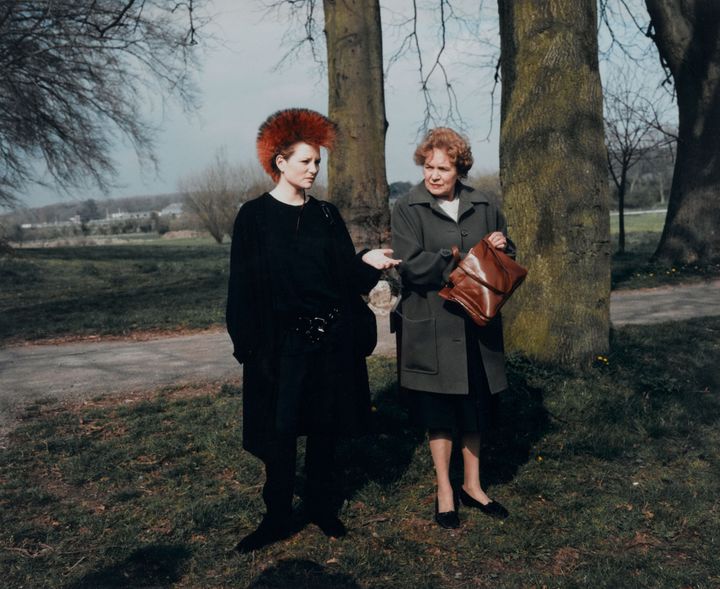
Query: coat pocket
<point x="419" y="347"/>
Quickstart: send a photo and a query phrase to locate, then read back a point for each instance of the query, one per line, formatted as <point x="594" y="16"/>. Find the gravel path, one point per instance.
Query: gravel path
<point x="82" y="370"/>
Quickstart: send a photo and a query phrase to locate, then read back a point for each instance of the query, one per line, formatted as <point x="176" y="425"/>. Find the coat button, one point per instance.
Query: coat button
<point x="464" y="233"/>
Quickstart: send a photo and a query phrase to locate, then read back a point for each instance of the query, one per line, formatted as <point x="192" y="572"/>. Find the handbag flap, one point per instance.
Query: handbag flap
<point x="493" y="268"/>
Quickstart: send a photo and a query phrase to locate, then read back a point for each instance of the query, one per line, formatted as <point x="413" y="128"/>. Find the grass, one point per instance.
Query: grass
<point x="646" y="222"/>
<point x="181" y="284"/>
<point x="111" y="289"/>
<point x="633" y="269"/>
<point x="611" y="477"/>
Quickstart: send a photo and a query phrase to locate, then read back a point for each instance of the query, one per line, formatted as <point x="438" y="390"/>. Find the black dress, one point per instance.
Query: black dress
<point x="300" y="251"/>
<point x="459" y="414"/>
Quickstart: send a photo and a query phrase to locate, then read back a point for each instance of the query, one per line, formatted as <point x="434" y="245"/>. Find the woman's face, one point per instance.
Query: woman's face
<point x="440" y="174"/>
<point x="301" y="167"/>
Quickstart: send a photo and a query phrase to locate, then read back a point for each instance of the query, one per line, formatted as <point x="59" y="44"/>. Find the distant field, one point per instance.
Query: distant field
<point x="643" y="222"/>
<point x="117" y="240"/>
<point x="160" y="284"/>
<point x="633" y="268"/>
<point x="111" y="289"/>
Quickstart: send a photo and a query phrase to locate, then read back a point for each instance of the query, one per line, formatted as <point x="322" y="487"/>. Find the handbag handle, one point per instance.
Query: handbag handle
<point x="455" y="253"/>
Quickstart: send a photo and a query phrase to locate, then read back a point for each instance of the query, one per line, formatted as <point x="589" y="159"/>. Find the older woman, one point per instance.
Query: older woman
<point x="295" y="280"/>
<point x="449" y="366"/>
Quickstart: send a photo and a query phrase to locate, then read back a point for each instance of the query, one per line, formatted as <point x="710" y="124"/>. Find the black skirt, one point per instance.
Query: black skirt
<point x="459" y="414"/>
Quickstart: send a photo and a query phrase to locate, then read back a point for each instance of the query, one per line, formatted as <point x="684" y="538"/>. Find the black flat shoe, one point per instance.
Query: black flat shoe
<point x="447" y="519"/>
<point x="329" y="524"/>
<point x="270" y="530"/>
<point x="493" y="509"/>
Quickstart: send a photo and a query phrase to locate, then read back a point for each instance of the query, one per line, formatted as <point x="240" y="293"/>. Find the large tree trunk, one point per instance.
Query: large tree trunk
<point x="356" y="170"/>
<point x="553" y="172"/>
<point x="687" y="35"/>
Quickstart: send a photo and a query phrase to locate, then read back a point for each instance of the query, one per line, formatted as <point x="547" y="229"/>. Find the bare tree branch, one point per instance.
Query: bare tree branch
<point x="634" y="131"/>
<point x="74" y="73"/>
<point x="301" y="15"/>
<point x="215" y="194"/>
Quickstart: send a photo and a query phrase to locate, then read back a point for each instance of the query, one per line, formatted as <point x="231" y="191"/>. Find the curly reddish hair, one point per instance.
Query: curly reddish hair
<point x="282" y="130"/>
<point x="456" y="146"/>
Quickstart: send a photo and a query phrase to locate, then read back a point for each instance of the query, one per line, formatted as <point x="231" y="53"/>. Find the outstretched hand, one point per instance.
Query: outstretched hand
<point x="380" y="259"/>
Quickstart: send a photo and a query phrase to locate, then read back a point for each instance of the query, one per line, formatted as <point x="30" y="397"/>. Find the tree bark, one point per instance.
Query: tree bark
<point x="356" y="169"/>
<point x="553" y="173"/>
<point x="621" y="212"/>
<point x="687" y="35"/>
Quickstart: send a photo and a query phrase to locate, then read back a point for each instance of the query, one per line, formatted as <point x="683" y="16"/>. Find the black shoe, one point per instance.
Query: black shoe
<point x="329" y="523"/>
<point x="271" y="529"/>
<point x="493" y="509"/>
<point x="447" y="519"/>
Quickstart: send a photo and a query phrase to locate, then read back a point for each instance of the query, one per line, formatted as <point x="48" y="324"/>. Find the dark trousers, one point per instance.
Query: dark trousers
<point x="297" y="405"/>
<point x="319" y="471"/>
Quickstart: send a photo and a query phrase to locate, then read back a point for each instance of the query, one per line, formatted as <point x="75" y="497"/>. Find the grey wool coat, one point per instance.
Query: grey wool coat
<point x="432" y="348"/>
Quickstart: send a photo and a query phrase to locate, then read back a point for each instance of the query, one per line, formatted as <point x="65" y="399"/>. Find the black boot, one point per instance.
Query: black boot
<point x="328" y="522"/>
<point x="271" y="529"/>
<point x="277" y="494"/>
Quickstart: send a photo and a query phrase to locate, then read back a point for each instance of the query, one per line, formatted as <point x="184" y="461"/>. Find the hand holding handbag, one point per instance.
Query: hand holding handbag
<point x="483" y="281"/>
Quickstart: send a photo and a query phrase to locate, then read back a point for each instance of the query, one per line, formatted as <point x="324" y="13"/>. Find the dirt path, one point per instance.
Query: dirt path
<point x="666" y="303"/>
<point x="83" y="370"/>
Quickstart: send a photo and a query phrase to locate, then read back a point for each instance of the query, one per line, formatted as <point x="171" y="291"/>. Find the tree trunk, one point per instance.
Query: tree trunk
<point x="621" y="212"/>
<point x="356" y="170"/>
<point x="687" y="35"/>
<point x="553" y="172"/>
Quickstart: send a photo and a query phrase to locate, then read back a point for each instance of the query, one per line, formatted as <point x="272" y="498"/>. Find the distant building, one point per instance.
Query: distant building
<point x="172" y="210"/>
<point x="121" y="215"/>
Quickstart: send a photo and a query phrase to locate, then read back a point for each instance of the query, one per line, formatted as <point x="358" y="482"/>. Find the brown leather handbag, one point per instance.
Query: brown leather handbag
<point x="483" y="281"/>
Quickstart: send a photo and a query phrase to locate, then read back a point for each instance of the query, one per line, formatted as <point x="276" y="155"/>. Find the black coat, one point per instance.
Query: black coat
<point x="256" y="332"/>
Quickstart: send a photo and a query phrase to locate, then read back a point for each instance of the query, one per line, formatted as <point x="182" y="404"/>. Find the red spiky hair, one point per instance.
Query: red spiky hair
<point x="287" y="127"/>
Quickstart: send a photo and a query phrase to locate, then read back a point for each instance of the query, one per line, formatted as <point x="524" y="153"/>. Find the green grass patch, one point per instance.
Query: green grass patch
<point x="181" y="284"/>
<point x="651" y="221"/>
<point x="634" y="269"/>
<point x="111" y="289"/>
<point x="611" y="477"/>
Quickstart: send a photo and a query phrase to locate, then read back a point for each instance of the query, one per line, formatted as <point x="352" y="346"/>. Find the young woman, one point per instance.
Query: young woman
<point x="291" y="314"/>
<point x="448" y="365"/>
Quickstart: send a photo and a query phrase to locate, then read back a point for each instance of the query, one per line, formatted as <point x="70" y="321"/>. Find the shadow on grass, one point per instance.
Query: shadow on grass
<point x="520" y="421"/>
<point x="674" y="374"/>
<point x="384" y="455"/>
<point x="302" y="574"/>
<point x="152" y="566"/>
<point x="519" y="417"/>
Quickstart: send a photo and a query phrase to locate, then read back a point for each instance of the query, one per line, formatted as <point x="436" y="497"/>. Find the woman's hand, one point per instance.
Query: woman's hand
<point x="498" y="240"/>
<point x="380" y="259"/>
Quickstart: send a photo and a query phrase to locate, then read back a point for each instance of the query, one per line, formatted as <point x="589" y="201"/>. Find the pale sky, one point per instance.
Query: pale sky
<point x="241" y="86"/>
